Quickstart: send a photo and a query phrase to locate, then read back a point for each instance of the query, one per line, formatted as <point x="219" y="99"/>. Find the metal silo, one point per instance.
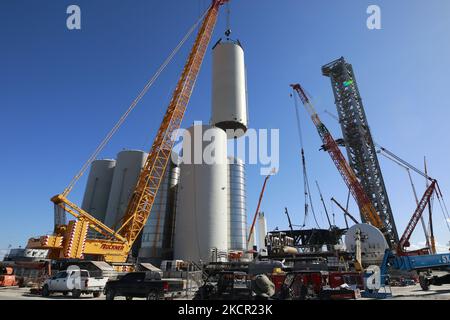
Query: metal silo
<point x="157" y="237"/>
<point x="201" y="231"/>
<point x="237" y="210"/>
<point x="96" y="194"/>
<point x="126" y="174"/>
<point x="229" y="96"/>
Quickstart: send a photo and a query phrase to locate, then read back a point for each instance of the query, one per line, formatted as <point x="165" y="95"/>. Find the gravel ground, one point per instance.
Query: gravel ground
<point x="416" y="293"/>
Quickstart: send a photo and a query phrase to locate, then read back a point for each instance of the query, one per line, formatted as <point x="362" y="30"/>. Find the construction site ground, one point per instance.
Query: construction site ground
<point x="399" y="293"/>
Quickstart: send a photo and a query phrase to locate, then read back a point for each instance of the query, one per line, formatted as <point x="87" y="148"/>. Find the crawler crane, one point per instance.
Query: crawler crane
<point x="71" y="241"/>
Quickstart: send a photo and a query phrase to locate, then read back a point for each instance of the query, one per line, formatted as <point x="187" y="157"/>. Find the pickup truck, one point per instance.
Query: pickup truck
<point x="147" y="285"/>
<point x="74" y="281"/>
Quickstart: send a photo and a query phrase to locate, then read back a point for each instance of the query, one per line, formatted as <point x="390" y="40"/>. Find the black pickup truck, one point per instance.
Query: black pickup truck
<point x="147" y="285"/>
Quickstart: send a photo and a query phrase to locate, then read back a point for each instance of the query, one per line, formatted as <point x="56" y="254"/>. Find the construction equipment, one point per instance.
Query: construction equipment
<point x="291" y="226"/>
<point x="362" y="156"/>
<point x="421" y="205"/>
<point x="261" y="195"/>
<point x="7" y="277"/>
<point x="404" y="240"/>
<point x="70" y="241"/>
<point x="422" y="264"/>
<point x="226" y="285"/>
<point x="289" y="219"/>
<point x="346" y="213"/>
<point x="324" y="206"/>
<point x="347" y="173"/>
<point x="389" y="155"/>
<point x="431" y="242"/>
<point x="306" y="189"/>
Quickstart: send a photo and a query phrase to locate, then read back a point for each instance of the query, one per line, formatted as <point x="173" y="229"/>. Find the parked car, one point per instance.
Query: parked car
<point x="147" y="285"/>
<point x="77" y="282"/>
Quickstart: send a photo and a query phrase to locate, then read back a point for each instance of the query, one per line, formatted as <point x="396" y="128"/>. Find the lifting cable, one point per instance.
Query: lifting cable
<point x="306" y="187"/>
<point x="446" y="217"/>
<point x="119" y="123"/>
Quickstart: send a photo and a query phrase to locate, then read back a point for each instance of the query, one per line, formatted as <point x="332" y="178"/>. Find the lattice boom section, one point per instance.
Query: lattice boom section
<point x="154" y="169"/>
<point x="362" y="156"/>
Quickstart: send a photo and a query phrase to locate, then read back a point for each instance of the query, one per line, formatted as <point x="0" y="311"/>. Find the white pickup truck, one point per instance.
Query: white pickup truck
<point x="74" y="281"/>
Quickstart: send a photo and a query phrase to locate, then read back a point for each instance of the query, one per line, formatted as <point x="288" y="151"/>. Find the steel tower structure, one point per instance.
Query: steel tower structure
<point x="360" y="147"/>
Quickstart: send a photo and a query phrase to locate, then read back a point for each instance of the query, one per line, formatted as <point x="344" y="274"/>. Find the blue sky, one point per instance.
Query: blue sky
<point x="61" y="91"/>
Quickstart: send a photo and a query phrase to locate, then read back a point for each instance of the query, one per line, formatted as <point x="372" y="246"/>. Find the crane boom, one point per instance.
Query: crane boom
<point x="261" y="195"/>
<point x="404" y="163"/>
<point x="397" y="160"/>
<point x="323" y="203"/>
<point x="404" y="240"/>
<point x="350" y="179"/>
<point x="71" y="241"/>
<point x="289" y="219"/>
<point x="345" y="211"/>
<point x="151" y="175"/>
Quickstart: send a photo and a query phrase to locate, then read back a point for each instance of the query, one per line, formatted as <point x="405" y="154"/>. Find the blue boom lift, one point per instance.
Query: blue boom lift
<point x="420" y="263"/>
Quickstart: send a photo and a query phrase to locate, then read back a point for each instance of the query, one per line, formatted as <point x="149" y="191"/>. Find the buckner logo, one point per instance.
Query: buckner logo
<point x="112" y="247"/>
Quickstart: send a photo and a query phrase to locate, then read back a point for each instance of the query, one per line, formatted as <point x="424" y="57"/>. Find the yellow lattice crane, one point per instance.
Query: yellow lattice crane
<point x="71" y="241"/>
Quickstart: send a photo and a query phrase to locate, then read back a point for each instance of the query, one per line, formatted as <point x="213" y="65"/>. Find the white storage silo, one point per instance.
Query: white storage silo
<point x="262" y="231"/>
<point x="126" y="174"/>
<point x="229" y="97"/>
<point x="237" y="210"/>
<point x="98" y="187"/>
<point x="201" y="221"/>
<point x="157" y="236"/>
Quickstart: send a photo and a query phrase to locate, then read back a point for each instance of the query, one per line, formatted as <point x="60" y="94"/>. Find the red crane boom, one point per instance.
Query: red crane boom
<point x="350" y="179"/>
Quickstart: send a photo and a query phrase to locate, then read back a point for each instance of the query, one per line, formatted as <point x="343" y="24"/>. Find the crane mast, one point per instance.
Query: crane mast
<point x="404" y="240"/>
<point x="70" y="241"/>
<point x="350" y="179"/>
<point x="358" y="141"/>
<point x="261" y="195"/>
<point x="150" y="178"/>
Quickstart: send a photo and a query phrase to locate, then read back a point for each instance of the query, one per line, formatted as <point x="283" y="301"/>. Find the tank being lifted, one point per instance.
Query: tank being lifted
<point x="229" y="96"/>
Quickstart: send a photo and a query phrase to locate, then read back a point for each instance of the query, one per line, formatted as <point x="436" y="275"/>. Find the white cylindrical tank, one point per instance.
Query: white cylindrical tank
<point x="373" y="243"/>
<point x="252" y="241"/>
<point x="126" y="174"/>
<point x="262" y="231"/>
<point x="201" y="222"/>
<point x="98" y="187"/>
<point x="157" y="242"/>
<point x="229" y="96"/>
<point x="237" y="209"/>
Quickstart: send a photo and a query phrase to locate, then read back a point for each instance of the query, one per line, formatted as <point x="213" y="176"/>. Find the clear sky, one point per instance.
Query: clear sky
<point x="61" y="91"/>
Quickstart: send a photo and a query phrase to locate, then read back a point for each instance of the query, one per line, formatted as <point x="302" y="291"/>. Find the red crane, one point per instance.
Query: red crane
<point x="404" y="240"/>
<point x="261" y="195"/>
<point x="330" y="145"/>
